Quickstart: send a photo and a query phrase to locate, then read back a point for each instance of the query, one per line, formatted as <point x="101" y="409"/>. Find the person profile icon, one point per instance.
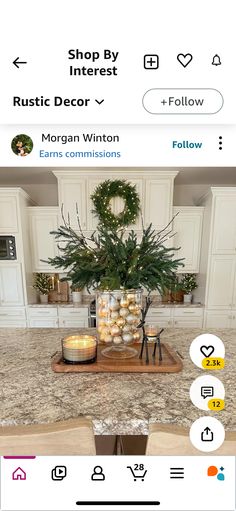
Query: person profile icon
<point x="22" y="145"/>
<point x="97" y="474"/>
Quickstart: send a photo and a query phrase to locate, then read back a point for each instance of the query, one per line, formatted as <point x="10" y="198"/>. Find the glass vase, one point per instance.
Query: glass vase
<point x="118" y="316"/>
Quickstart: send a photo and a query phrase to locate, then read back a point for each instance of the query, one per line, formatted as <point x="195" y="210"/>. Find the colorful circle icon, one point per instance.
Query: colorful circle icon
<point x="207" y="393"/>
<point x="207" y="351"/>
<point x="207" y="434"/>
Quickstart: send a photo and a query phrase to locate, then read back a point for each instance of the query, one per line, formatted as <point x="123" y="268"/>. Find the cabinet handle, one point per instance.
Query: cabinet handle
<point x="1" y="314"/>
<point x="233" y="317"/>
<point x="43" y="312"/>
<point x="188" y="312"/>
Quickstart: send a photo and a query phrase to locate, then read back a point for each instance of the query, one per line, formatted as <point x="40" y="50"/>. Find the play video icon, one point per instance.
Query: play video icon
<point x="58" y="473"/>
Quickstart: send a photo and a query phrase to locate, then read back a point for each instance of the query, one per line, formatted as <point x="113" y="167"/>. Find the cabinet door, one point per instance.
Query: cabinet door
<point x="161" y="317"/>
<point x="160" y="322"/>
<point x="188" y="322"/>
<point x="70" y="322"/>
<point x="218" y="319"/>
<point x="43" y="323"/>
<point x="233" y="319"/>
<point x="188" y="233"/>
<point x="72" y="195"/>
<point x="11" y="285"/>
<point x="12" y="317"/>
<point x="92" y="220"/>
<point x="42" y="242"/>
<point x="8" y="215"/>
<point x="158" y="202"/>
<point x="221" y="282"/>
<point x="224" y="237"/>
<point x="117" y="204"/>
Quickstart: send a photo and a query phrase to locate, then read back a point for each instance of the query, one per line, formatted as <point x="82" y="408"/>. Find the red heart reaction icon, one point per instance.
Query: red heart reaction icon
<point x="184" y="60"/>
<point x="207" y="350"/>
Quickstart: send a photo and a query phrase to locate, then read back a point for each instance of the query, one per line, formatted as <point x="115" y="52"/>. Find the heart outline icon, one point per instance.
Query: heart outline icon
<point x="207" y="350"/>
<point x="184" y="60"/>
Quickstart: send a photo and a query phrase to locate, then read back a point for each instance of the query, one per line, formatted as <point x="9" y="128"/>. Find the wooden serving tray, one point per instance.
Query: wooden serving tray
<point x="171" y="363"/>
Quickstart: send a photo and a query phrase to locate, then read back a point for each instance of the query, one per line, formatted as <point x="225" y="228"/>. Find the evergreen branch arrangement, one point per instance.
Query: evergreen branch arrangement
<point x="110" y="260"/>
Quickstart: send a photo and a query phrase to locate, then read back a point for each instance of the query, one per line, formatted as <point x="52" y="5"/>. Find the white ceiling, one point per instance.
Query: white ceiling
<point x="14" y="176"/>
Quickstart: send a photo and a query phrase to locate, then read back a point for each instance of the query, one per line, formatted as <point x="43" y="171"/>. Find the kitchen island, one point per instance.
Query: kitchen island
<point x="124" y="404"/>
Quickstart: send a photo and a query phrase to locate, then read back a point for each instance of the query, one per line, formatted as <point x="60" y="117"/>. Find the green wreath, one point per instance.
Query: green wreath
<point x="102" y="197"/>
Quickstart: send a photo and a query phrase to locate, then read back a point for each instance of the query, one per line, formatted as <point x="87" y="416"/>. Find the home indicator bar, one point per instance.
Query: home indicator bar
<point x="118" y="503"/>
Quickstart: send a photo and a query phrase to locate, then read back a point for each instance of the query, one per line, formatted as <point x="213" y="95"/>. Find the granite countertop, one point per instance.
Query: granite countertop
<point x="87" y="300"/>
<point x="117" y="403"/>
<point x="60" y="304"/>
<point x="159" y="304"/>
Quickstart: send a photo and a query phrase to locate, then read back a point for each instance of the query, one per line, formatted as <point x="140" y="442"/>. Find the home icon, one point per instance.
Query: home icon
<point x="19" y="475"/>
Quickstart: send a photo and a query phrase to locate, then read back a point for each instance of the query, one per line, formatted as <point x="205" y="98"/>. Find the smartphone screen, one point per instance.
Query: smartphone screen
<point x="117" y="256"/>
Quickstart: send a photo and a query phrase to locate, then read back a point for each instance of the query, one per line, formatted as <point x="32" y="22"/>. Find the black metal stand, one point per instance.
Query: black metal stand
<point x="142" y="325"/>
<point x="158" y="343"/>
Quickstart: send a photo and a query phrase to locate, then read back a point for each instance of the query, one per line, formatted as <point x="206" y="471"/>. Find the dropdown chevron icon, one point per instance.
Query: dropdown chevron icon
<point x="99" y="102"/>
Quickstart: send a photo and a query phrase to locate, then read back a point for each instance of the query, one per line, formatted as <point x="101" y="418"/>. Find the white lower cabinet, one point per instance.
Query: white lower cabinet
<point x="54" y="317"/>
<point x="220" y="319"/>
<point x="11" y="317"/>
<point x="43" y="323"/>
<point x="179" y="317"/>
<point x="73" y="317"/>
<point x="42" y="317"/>
<point x="160" y="316"/>
<point x="73" y="323"/>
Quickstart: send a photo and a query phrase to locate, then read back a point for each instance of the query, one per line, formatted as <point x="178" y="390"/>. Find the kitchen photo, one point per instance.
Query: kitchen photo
<point x="117" y="299"/>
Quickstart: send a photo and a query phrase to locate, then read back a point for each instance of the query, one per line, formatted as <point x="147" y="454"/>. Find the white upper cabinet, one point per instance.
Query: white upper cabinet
<point x="224" y="227"/>
<point x="72" y="191"/>
<point x="8" y="214"/>
<point x="187" y="227"/>
<point x="221" y="282"/>
<point x="93" y="182"/>
<point x="42" y="221"/>
<point x="155" y="189"/>
<point x="11" y="287"/>
<point x="158" y="201"/>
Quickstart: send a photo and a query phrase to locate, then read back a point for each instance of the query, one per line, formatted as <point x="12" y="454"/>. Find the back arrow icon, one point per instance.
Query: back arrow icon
<point x="16" y="62"/>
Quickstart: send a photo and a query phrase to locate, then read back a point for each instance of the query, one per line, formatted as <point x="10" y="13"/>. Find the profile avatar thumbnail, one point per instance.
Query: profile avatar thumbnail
<point x="22" y="145"/>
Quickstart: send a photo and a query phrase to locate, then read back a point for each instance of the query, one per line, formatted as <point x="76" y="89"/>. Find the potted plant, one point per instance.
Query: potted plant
<point x="77" y="294"/>
<point x="42" y="284"/>
<point x="177" y="294"/>
<point x="116" y="264"/>
<point x="188" y="284"/>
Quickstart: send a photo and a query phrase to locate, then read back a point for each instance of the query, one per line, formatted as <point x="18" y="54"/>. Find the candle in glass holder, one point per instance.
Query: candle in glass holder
<point x="79" y="349"/>
<point x="151" y="332"/>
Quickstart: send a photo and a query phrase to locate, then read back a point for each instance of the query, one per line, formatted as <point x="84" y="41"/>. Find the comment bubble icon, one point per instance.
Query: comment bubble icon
<point x="207" y="391"/>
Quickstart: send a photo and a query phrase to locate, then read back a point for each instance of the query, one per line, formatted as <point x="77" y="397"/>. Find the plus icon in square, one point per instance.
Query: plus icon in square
<point x="151" y="61"/>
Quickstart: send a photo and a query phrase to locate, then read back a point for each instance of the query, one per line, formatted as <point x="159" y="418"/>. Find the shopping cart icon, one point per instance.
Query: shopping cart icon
<point x="138" y="474"/>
